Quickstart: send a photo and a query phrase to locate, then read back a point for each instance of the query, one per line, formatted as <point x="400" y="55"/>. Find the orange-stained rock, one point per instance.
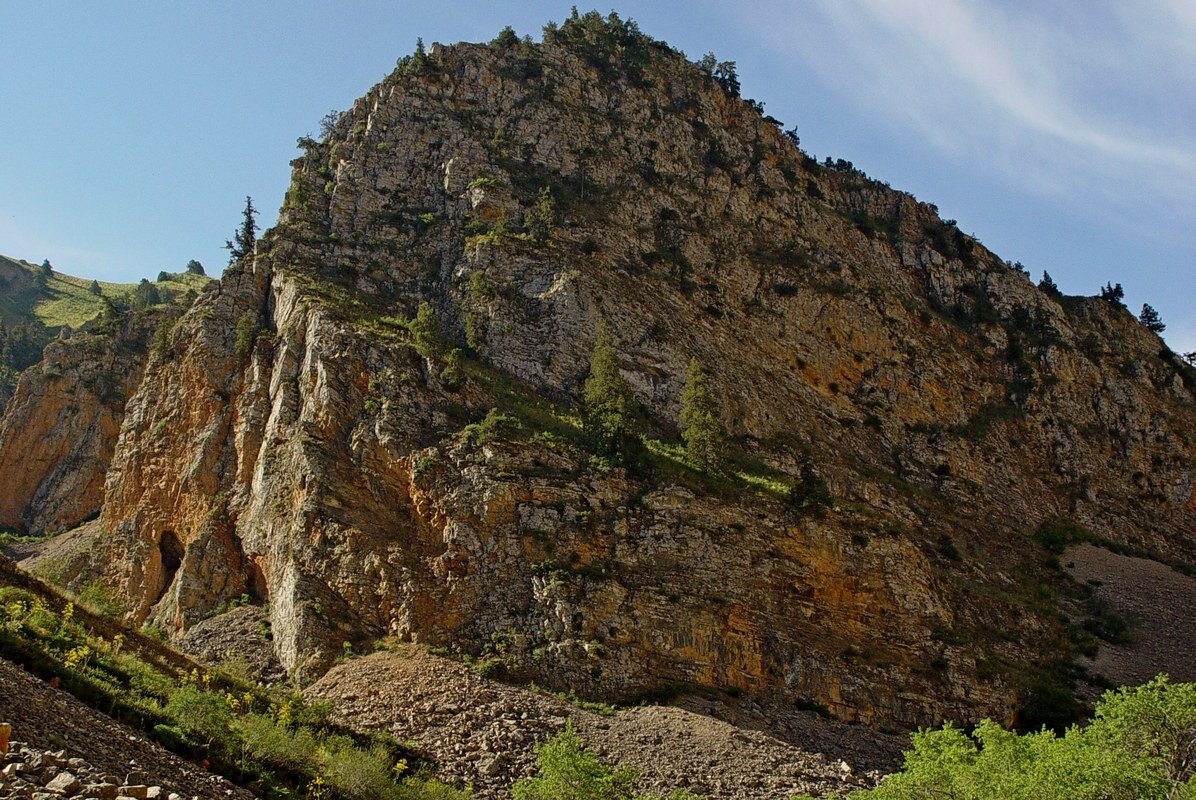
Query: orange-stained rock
<point x="953" y="407"/>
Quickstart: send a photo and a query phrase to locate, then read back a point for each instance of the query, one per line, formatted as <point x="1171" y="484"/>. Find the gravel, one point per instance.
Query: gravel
<point x="484" y="732"/>
<point x="1157" y="601"/>
<point x="55" y="734"/>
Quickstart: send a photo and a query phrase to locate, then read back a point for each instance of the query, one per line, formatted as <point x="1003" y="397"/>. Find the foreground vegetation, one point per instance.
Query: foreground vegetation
<point x="567" y="771"/>
<point x="274" y="743"/>
<point x="1140" y="745"/>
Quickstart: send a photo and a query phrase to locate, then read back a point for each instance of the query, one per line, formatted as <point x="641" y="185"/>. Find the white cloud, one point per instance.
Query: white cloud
<point x="1019" y="88"/>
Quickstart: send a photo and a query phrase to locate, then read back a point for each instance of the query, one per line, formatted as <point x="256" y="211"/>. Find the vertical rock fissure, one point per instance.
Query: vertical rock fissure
<point x="171" y="551"/>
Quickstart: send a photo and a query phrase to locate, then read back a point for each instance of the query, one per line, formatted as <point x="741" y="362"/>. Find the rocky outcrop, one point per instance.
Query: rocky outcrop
<point x="59" y="430"/>
<point x="295" y="447"/>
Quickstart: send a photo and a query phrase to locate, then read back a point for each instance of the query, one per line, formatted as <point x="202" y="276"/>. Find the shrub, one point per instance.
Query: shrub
<point x="203" y="716"/>
<point x="1139" y="746"/>
<point x="245" y="334"/>
<point x="270" y="743"/>
<point x="569" y="772"/>
<point x="495" y="425"/>
<point x="1057" y="535"/>
<point x="357" y="773"/>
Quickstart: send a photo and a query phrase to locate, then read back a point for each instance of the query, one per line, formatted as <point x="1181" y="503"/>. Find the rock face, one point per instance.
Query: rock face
<point x="59" y="430"/>
<point x="294" y="446"/>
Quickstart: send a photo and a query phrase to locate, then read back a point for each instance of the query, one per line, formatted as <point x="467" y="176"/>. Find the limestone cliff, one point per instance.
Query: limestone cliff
<point x="59" y="430"/>
<point x="293" y="445"/>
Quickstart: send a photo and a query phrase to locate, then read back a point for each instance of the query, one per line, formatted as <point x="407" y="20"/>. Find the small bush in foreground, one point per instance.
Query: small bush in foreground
<point x="567" y="771"/>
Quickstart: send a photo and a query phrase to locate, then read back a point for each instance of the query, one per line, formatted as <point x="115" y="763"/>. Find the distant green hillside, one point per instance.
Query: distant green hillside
<point x="66" y="300"/>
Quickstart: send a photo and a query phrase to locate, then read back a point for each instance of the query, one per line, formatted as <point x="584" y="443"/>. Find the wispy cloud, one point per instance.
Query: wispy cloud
<point x="1033" y="89"/>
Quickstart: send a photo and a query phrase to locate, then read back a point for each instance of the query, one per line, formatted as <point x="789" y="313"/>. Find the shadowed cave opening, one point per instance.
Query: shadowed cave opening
<point x="171" y="550"/>
<point x="256" y="583"/>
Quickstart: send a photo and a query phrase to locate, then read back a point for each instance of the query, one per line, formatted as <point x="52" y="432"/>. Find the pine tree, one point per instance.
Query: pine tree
<point x="146" y="295"/>
<point x="1151" y="319"/>
<point x="701" y="428"/>
<point x="608" y="403"/>
<point x="542" y="216"/>
<point x="46" y="269"/>
<point x="161" y="344"/>
<point x="1048" y="285"/>
<point x="194" y="267"/>
<point x="1112" y="294"/>
<point x="95" y="289"/>
<point x="507" y="37"/>
<point x="246" y="236"/>
<point x="425" y="332"/>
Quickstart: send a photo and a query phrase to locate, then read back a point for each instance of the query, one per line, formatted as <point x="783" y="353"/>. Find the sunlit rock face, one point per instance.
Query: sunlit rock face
<point x="294" y="447"/>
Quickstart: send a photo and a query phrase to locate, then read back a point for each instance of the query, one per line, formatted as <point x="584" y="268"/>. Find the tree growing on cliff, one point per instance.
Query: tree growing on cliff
<point x="1151" y="319"/>
<point x="1113" y="294"/>
<point x="701" y="428"/>
<point x="246" y="235"/>
<point x="723" y="72"/>
<point x="810" y="494"/>
<point x="195" y="268"/>
<point x="1048" y="285"/>
<point x="542" y="216"/>
<point x="608" y="404"/>
<point x="507" y="37"/>
<point x="425" y="332"/>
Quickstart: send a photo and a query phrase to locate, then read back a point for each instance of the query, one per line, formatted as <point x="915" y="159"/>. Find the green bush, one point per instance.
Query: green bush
<point x="364" y="774"/>
<point x="495" y="425"/>
<point x="273" y="744"/>
<point x="246" y="332"/>
<point x="567" y="771"/>
<point x="205" y="717"/>
<point x="1141" y="745"/>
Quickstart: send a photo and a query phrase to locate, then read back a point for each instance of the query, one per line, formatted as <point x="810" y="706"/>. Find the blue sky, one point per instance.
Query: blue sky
<point x="1062" y="134"/>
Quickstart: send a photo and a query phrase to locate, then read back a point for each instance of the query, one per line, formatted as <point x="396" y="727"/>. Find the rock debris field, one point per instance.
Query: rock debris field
<point x="483" y="732"/>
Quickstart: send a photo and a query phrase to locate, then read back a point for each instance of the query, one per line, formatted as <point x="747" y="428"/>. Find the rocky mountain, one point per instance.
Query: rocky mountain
<point x="80" y="350"/>
<point x="300" y="441"/>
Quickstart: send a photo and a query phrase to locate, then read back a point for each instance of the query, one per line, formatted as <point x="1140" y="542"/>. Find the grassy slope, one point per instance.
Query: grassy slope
<point x="67" y="300"/>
